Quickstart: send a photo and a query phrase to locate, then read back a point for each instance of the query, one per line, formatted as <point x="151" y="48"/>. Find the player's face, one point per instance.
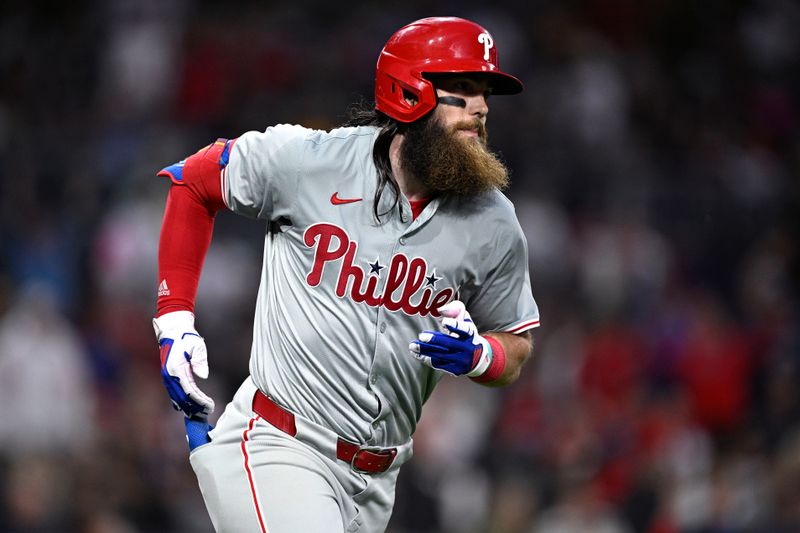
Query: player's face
<point x="468" y="120"/>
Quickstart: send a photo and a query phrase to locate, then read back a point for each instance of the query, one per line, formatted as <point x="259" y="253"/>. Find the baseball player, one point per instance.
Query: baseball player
<point x="391" y="258"/>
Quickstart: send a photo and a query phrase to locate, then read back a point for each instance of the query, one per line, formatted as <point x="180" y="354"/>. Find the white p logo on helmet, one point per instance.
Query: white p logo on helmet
<point x="486" y="40"/>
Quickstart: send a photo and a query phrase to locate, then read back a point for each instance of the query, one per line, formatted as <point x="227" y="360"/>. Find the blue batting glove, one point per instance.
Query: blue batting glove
<point x="458" y="349"/>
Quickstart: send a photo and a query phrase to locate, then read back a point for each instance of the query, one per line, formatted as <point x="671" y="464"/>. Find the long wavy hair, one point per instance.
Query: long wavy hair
<point x="363" y="114"/>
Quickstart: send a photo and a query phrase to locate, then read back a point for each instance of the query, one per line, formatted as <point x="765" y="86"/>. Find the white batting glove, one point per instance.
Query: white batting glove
<point x="458" y="348"/>
<point x="183" y="354"/>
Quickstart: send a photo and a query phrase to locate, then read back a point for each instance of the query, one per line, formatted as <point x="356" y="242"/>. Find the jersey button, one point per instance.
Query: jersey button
<point x="373" y="380"/>
<point x="402" y="240"/>
<point x="383" y="327"/>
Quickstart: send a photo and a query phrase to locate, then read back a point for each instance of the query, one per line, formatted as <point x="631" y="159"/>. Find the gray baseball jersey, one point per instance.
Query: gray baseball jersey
<point x="342" y="295"/>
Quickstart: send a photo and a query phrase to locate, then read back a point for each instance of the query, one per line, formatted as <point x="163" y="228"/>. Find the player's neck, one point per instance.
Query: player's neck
<point x="411" y="187"/>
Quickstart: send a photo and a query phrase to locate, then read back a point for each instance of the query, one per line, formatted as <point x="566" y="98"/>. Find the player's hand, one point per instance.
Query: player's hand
<point x="183" y="354"/>
<point x="458" y="348"/>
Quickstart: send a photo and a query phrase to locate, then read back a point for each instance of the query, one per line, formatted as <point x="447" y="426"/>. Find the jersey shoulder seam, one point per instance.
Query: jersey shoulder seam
<point x="338" y="134"/>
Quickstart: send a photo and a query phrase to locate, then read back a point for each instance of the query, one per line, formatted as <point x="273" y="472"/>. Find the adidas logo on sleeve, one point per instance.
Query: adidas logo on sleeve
<point x="163" y="290"/>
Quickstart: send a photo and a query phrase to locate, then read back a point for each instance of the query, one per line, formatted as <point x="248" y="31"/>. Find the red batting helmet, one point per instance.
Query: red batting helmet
<point x="430" y="46"/>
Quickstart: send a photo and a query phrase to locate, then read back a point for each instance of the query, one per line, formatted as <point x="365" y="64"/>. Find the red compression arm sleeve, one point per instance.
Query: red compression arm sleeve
<point x="186" y="230"/>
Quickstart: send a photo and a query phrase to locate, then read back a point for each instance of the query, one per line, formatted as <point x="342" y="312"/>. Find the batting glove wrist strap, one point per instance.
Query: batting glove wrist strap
<point x="177" y="320"/>
<point x="183" y="355"/>
<point x="484" y="358"/>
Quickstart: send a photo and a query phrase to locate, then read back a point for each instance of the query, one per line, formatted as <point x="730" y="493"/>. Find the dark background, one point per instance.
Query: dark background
<point x="655" y="158"/>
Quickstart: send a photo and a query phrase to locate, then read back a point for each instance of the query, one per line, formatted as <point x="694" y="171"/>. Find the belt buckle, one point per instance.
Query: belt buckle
<point x="377" y="450"/>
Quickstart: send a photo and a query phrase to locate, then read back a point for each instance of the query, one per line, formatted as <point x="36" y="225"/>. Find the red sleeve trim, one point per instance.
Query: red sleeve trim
<point x="498" y="365"/>
<point x="524" y="326"/>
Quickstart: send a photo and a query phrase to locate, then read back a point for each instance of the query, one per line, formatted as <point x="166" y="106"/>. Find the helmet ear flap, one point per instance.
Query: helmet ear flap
<point x="400" y="96"/>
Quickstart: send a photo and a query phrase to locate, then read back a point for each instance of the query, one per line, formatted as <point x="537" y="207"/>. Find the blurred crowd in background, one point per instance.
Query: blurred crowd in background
<point x="655" y="157"/>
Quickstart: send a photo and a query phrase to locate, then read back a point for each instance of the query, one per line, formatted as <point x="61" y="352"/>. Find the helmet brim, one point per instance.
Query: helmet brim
<point x="503" y="83"/>
<point x="500" y="82"/>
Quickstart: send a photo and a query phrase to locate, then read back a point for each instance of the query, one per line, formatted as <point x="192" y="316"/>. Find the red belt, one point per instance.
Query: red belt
<point x="364" y="460"/>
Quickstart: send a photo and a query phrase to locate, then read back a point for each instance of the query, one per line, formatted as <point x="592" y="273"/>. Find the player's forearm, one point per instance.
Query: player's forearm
<point x="185" y="237"/>
<point x="517" y="349"/>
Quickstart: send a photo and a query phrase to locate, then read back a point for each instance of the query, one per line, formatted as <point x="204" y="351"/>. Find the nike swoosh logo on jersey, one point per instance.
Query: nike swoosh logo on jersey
<point x="335" y="200"/>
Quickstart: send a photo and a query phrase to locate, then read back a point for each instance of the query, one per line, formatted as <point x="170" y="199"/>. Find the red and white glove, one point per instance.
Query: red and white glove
<point x="458" y="348"/>
<point x="183" y="354"/>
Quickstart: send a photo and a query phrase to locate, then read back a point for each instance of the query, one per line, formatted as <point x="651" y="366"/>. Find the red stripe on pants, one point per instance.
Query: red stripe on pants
<point x="245" y="438"/>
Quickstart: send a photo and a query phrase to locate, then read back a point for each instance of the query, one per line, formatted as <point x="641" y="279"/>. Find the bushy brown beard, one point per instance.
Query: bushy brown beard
<point x="449" y="163"/>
